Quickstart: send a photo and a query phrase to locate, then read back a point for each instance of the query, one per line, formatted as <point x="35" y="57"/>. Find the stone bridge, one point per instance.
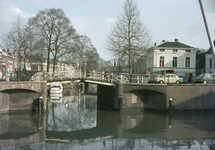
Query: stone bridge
<point x="157" y="96"/>
<point x="21" y="95"/>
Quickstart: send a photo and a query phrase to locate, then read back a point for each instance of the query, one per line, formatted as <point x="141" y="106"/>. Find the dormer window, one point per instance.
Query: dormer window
<point x="162" y="50"/>
<point x="175" y="50"/>
<point x="187" y="50"/>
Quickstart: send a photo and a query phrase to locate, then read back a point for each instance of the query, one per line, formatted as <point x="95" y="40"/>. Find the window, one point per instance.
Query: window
<point x="174" y="62"/>
<point x="175" y="50"/>
<point x="187" y="50"/>
<point x="210" y="63"/>
<point x="173" y="76"/>
<point x="161" y="61"/>
<point x="162" y="50"/>
<point x="39" y="67"/>
<point x="187" y="62"/>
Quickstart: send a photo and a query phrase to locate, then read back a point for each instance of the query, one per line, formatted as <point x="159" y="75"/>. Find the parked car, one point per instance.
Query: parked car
<point x="205" y="78"/>
<point x="168" y="78"/>
<point x="155" y="78"/>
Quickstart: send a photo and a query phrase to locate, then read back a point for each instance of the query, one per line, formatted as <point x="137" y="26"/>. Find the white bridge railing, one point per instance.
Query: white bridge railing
<point x="59" y="75"/>
<point x="91" y="75"/>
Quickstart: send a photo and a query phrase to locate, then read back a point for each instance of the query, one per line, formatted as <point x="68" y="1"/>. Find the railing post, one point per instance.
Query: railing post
<point x="39" y="76"/>
<point x="103" y="75"/>
<point x="93" y="74"/>
<point x="121" y="78"/>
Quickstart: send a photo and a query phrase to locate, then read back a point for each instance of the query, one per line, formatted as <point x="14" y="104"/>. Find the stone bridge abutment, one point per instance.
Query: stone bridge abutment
<point x="157" y="96"/>
<point x="21" y="95"/>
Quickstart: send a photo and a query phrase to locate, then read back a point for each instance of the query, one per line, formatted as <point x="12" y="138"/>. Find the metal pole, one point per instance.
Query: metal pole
<point x="207" y="29"/>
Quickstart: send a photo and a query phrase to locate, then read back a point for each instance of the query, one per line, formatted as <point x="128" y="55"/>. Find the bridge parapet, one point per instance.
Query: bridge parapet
<point x="26" y="85"/>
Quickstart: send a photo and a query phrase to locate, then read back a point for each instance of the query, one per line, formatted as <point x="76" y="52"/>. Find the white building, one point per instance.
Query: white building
<point x="209" y="62"/>
<point x="172" y="55"/>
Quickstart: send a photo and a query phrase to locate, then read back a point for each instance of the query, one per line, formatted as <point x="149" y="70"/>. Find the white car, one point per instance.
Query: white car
<point x="168" y="78"/>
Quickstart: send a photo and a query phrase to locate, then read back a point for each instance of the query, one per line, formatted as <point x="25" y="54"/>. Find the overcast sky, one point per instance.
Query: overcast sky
<point x="166" y="19"/>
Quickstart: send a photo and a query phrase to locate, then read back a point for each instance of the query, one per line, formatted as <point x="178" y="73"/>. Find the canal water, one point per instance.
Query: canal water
<point x="73" y="122"/>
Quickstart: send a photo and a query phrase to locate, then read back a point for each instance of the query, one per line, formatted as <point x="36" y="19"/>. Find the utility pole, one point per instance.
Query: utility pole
<point x="207" y="29"/>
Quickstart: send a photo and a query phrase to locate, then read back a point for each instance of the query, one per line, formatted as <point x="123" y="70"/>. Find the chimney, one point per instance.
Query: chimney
<point x="7" y="50"/>
<point x="154" y="44"/>
<point x="176" y="40"/>
<point x="163" y="41"/>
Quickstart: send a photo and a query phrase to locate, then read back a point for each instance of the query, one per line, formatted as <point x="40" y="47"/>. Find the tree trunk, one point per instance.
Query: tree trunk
<point x="55" y="56"/>
<point x="48" y="60"/>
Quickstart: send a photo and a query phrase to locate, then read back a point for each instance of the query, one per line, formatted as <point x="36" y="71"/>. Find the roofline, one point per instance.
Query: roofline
<point x="169" y="48"/>
<point x="175" y="42"/>
<point x="193" y="48"/>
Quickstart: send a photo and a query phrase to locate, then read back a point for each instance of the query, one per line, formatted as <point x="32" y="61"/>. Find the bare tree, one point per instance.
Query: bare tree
<point x="63" y="36"/>
<point x="32" y="39"/>
<point x="105" y="63"/>
<point x="82" y="44"/>
<point x="92" y="59"/>
<point x="129" y="36"/>
<point x="48" y="22"/>
<point x="15" y="39"/>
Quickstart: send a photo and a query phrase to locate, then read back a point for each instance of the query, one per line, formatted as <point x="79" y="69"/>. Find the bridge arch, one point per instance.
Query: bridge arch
<point x="147" y="87"/>
<point x="144" y="99"/>
<point x="32" y="86"/>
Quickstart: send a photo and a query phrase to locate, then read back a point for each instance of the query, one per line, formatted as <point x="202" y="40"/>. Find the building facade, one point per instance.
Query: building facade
<point x="172" y="56"/>
<point x="205" y="62"/>
<point x="209" y="61"/>
<point x="6" y="61"/>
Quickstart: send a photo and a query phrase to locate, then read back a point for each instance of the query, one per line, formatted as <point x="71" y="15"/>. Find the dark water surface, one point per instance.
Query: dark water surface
<point x="74" y="123"/>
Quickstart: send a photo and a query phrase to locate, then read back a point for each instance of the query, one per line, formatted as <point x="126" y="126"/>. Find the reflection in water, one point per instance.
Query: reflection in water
<point x="75" y="112"/>
<point x="75" y="123"/>
<point x="21" y="129"/>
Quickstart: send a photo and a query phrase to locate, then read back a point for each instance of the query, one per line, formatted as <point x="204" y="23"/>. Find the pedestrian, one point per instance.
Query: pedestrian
<point x="190" y="77"/>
